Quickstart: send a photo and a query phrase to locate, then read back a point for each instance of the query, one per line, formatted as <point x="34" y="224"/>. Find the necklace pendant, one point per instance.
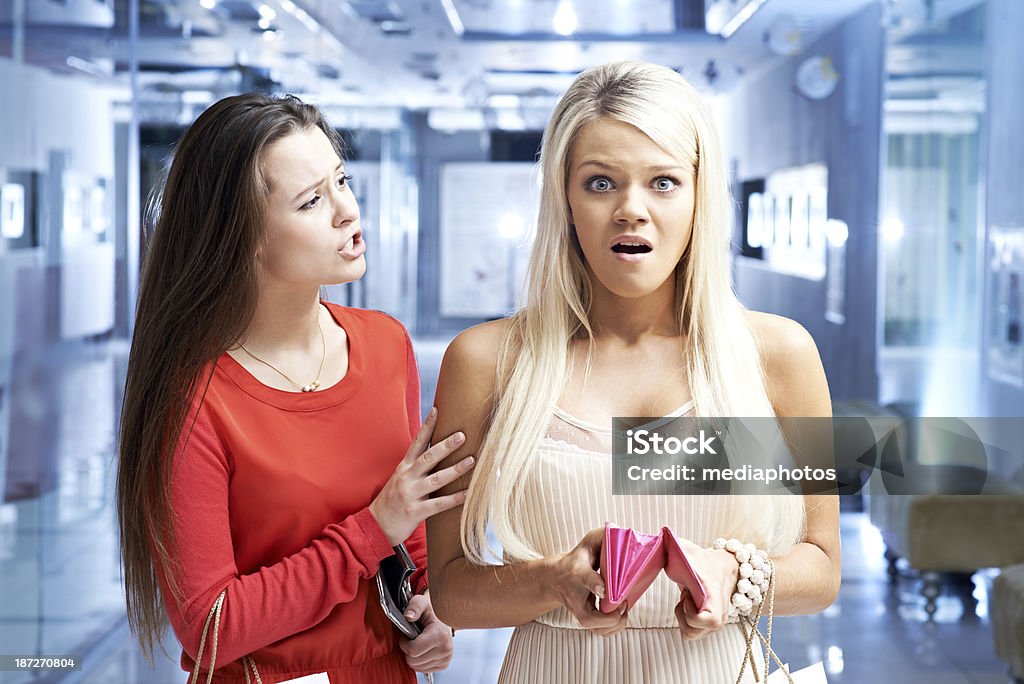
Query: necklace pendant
<point x="307" y="388"/>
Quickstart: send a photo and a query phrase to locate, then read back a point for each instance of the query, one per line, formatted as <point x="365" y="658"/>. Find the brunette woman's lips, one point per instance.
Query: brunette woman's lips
<point x="354" y="248"/>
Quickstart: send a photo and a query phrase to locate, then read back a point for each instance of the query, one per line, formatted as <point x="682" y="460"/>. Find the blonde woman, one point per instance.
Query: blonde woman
<point x="630" y="312"/>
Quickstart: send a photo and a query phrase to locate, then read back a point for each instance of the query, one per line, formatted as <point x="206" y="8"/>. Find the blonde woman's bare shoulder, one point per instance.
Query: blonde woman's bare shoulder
<point x="795" y="378"/>
<point x="779" y="338"/>
<point x="470" y="366"/>
<point x="477" y="347"/>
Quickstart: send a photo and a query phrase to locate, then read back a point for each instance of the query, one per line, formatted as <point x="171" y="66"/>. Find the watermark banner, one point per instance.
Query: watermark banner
<point x="841" y="455"/>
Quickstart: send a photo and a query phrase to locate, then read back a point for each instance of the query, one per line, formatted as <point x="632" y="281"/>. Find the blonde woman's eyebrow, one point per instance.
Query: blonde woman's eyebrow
<point x="299" y="195"/>
<point x="662" y="168"/>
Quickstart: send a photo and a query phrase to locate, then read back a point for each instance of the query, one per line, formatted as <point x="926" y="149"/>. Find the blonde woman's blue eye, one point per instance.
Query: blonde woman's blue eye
<point x="664" y="184"/>
<point x="599" y="184"/>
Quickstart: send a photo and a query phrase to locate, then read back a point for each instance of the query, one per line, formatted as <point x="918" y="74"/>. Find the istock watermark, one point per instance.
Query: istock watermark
<point x="843" y="455"/>
<point x="643" y="442"/>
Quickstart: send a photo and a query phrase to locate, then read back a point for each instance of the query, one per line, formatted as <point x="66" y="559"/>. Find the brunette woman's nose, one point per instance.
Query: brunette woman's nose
<point x="346" y="210"/>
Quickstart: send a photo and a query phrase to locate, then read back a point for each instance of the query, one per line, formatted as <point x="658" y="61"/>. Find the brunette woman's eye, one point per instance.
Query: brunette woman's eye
<point x="310" y="204"/>
<point x="599" y="184"/>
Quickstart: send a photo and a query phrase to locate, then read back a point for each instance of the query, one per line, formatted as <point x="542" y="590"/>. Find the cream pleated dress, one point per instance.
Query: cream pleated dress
<point x="569" y="493"/>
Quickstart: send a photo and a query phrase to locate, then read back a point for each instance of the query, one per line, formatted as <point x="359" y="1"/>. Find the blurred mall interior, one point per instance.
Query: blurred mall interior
<point x="876" y="159"/>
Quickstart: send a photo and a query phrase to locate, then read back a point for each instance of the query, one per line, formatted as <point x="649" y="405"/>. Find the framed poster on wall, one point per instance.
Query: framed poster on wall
<point x="488" y="211"/>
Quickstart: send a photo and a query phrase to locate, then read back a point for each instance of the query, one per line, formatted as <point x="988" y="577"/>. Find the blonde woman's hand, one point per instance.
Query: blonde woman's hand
<point x="405" y="501"/>
<point x="432" y="650"/>
<point x="576" y="583"/>
<point x="718" y="572"/>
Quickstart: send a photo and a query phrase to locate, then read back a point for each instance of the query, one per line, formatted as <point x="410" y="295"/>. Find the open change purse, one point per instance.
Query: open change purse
<point x="630" y="562"/>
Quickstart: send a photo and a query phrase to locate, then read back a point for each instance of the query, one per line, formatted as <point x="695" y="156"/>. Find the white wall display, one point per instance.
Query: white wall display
<point x="12" y="210"/>
<point x="8" y="268"/>
<point x="87" y="290"/>
<point x="1006" y="313"/>
<point x="99" y="210"/>
<point x="836" y="234"/>
<point x="488" y="212"/>
<point x="789" y="220"/>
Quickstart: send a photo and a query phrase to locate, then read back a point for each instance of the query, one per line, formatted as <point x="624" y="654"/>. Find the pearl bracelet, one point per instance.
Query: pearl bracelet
<point x="755" y="574"/>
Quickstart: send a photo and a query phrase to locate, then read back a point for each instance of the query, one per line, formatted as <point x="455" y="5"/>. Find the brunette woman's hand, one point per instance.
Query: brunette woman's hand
<point x="432" y="650"/>
<point x="718" y="572"/>
<point x="576" y="583"/>
<point x="405" y="501"/>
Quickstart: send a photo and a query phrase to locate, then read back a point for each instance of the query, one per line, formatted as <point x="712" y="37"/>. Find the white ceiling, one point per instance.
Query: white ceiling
<point x="426" y="53"/>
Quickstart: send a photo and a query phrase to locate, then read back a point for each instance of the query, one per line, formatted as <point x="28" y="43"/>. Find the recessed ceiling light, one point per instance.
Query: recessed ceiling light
<point x="565" y="20"/>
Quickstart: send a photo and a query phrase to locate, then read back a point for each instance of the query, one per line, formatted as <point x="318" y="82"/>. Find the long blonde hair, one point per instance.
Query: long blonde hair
<point x="721" y="355"/>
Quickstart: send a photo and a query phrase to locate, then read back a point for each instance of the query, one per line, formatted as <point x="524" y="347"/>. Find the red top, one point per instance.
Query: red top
<point x="270" y="501"/>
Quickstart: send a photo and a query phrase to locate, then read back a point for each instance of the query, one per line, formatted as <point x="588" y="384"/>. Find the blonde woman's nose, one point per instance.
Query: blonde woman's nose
<point x="631" y="209"/>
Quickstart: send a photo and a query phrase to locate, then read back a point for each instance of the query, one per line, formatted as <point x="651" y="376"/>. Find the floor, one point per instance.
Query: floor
<point x="60" y="591"/>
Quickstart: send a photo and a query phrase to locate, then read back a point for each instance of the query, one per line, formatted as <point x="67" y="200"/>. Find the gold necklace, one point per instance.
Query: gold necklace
<point x="311" y="387"/>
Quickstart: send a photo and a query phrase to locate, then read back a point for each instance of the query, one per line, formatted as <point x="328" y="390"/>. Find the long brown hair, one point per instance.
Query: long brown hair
<point x="197" y="297"/>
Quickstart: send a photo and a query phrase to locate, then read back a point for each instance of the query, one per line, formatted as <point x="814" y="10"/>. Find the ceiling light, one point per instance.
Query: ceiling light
<point x="816" y="77"/>
<point x="92" y="68"/>
<point x="267" y="12"/>
<point x="307" y="21"/>
<point x="263" y="23"/>
<point x="208" y="4"/>
<point x="565" y="21"/>
<point x="506" y="101"/>
<point x="453" y="17"/>
<point x="893" y="230"/>
<point x="784" y="38"/>
<point x="288" y="6"/>
<point x="837" y="232"/>
<point x="740" y="18"/>
<point x="511" y="226"/>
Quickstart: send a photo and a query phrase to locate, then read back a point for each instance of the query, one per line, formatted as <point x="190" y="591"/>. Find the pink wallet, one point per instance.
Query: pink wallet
<point x="630" y="561"/>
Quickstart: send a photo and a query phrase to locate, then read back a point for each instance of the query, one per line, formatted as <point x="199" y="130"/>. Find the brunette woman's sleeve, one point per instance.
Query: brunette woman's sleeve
<point x="417" y="543"/>
<point x="274" y="602"/>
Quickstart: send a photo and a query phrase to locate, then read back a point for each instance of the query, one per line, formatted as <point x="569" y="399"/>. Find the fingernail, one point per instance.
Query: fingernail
<point x="469" y="462"/>
<point x="433" y="412"/>
<point x="459" y="438"/>
<point x="409" y="615"/>
<point x="599" y="591"/>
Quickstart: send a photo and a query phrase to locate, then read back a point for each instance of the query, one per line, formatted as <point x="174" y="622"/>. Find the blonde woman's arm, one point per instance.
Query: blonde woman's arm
<point x="466" y="595"/>
<point x="807" y="576"/>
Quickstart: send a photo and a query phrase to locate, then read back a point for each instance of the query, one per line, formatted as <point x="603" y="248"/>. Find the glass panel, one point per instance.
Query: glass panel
<point x="930" y="219"/>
